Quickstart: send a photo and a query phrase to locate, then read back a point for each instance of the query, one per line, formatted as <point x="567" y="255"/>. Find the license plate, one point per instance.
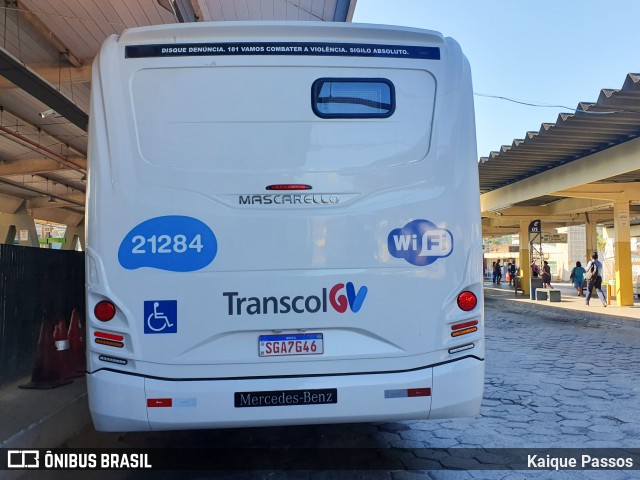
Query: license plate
<point x="284" y="345"/>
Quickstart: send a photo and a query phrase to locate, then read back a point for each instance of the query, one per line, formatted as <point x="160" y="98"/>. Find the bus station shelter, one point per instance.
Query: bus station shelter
<point x="582" y="170"/>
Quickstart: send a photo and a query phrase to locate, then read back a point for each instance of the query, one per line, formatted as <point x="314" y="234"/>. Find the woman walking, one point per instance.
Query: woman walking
<point x="577" y="277"/>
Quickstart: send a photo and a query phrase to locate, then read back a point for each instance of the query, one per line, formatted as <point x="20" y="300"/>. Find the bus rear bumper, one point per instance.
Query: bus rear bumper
<point x="120" y="402"/>
<point x="457" y="389"/>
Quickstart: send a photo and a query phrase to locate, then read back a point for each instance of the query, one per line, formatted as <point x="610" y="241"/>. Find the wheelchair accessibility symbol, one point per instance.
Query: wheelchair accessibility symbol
<point x="161" y="316"/>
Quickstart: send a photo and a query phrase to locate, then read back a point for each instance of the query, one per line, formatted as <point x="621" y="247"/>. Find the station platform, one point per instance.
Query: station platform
<point x="42" y="418"/>
<point x="570" y="303"/>
<point x="47" y="418"/>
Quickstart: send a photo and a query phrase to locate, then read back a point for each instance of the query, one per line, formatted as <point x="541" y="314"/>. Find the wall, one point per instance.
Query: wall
<point x="35" y="284"/>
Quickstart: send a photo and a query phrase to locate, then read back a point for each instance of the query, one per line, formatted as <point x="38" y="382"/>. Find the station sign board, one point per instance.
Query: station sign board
<point x="554" y="237"/>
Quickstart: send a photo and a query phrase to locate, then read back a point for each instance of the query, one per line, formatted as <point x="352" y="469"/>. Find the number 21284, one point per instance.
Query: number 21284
<point x="166" y="244"/>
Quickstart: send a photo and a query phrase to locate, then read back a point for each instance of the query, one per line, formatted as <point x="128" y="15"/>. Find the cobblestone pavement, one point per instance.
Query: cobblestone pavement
<point x="552" y="380"/>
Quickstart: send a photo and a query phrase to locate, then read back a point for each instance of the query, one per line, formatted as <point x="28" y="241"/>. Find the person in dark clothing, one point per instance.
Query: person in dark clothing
<point x="594" y="279"/>
<point x="546" y="275"/>
<point x="497" y="272"/>
<point x="577" y="277"/>
<point x="535" y="269"/>
<point x="513" y="272"/>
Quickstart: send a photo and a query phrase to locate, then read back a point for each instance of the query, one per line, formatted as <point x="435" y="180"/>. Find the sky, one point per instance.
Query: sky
<point x="546" y="52"/>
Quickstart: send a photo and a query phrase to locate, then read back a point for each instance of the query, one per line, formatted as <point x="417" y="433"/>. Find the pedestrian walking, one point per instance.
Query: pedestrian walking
<point x="513" y="272"/>
<point x="577" y="277"/>
<point x="497" y="272"/>
<point x="594" y="279"/>
<point x="546" y="275"/>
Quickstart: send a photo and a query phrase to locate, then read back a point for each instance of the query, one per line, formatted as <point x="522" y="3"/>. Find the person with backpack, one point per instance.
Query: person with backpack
<point x="594" y="279"/>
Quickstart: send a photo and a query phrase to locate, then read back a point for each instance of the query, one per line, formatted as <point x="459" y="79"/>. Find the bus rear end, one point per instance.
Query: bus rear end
<point x="282" y="230"/>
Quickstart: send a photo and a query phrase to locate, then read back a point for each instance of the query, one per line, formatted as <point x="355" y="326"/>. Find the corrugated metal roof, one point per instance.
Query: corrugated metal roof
<point x="593" y="127"/>
<point x="52" y="43"/>
<point x="225" y="10"/>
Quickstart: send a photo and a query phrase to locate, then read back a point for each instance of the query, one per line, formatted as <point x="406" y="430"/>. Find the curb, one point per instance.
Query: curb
<point x="551" y="310"/>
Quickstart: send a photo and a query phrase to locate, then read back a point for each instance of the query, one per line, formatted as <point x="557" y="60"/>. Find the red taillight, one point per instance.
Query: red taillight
<point x="467" y="301"/>
<point x="289" y="186"/>
<point x="464" y="328"/>
<point x="104" y="310"/>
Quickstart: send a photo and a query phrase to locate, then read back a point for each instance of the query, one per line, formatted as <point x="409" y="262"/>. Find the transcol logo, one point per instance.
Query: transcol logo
<point x="420" y="242"/>
<point x="340" y="297"/>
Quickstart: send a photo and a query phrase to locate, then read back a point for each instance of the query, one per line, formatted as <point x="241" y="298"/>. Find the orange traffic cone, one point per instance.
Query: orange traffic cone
<point x="76" y="344"/>
<point x="46" y="372"/>
<point x="61" y="341"/>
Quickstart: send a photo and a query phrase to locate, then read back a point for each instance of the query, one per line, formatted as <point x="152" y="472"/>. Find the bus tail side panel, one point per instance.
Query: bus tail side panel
<point x="116" y="402"/>
<point x="457" y="389"/>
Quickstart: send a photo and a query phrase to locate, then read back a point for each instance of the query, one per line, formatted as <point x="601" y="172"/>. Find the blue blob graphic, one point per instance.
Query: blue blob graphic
<point x="420" y="242"/>
<point x="174" y="243"/>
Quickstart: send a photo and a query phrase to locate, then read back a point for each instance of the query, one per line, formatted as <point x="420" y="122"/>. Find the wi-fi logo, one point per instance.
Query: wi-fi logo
<point x="420" y="242"/>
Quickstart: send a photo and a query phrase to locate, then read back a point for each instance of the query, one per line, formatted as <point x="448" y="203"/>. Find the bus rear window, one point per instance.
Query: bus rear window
<point x="352" y="98"/>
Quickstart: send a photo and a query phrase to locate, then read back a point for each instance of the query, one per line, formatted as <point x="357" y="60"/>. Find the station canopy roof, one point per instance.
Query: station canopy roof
<point x="598" y="127"/>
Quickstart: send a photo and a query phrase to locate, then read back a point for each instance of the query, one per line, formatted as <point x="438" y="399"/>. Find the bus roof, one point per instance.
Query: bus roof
<point x="273" y="29"/>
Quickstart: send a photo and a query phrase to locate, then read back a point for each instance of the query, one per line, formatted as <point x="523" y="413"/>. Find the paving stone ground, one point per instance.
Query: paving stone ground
<point x="552" y="381"/>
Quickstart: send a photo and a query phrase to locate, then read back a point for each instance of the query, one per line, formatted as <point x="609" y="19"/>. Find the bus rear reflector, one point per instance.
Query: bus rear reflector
<point x="467" y="301"/>
<point x="109" y="343"/>
<point x="464" y="332"/>
<point x="419" y="392"/>
<point x="110" y="359"/>
<point x="109" y="339"/>
<point x="460" y="326"/>
<point x="159" y="402"/>
<point x="104" y="310"/>
<point x="461" y="348"/>
<point x="407" y="392"/>
<point x="109" y="336"/>
<point x="464" y="328"/>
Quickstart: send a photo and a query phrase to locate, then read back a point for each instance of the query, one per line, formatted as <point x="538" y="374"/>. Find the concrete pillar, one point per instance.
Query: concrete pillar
<point x="524" y="256"/>
<point x="20" y="223"/>
<point x="622" y="252"/>
<point x="591" y="242"/>
<point x="72" y="235"/>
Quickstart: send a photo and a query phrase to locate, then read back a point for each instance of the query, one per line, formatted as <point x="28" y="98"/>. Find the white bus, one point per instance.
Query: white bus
<point x="283" y="227"/>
